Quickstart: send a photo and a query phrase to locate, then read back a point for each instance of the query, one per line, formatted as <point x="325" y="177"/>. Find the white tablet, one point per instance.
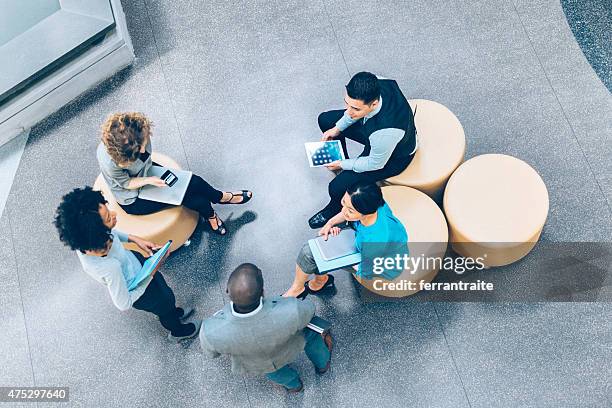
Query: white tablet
<point x="322" y="153"/>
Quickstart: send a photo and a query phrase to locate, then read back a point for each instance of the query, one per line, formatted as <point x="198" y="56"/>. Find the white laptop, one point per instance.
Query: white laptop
<point x="170" y="195"/>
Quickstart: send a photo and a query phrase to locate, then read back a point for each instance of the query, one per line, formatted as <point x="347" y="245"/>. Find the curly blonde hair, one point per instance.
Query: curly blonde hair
<point x="123" y="135"/>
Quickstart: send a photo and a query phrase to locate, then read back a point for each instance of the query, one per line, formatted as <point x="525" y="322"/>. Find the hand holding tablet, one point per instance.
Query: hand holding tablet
<point x="322" y="153"/>
<point x="150" y="266"/>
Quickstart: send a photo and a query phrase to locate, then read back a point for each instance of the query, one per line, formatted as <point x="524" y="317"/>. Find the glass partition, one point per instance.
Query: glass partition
<point x="39" y="36"/>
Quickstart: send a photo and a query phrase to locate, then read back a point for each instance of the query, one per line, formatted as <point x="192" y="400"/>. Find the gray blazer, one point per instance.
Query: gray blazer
<point x="261" y="343"/>
<point x="117" y="177"/>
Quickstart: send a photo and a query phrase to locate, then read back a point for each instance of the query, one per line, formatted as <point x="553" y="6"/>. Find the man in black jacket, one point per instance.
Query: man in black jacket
<point x="379" y="117"/>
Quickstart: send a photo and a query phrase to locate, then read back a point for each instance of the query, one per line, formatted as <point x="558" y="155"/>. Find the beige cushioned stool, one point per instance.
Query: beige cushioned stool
<point x="441" y="149"/>
<point x="176" y="223"/>
<point x="427" y="235"/>
<point x="495" y="205"/>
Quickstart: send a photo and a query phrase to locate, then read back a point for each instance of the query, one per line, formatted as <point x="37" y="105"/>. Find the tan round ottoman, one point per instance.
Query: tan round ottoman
<point x="441" y="149"/>
<point x="496" y="207"/>
<point x="427" y="236"/>
<point x="175" y="223"/>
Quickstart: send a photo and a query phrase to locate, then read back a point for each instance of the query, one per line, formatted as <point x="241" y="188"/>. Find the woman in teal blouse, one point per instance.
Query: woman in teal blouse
<point x="375" y="225"/>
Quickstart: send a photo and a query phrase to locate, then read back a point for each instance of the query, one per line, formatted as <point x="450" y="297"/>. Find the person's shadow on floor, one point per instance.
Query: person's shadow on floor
<point x="209" y="249"/>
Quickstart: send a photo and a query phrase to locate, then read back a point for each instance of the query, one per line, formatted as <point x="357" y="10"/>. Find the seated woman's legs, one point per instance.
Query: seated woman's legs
<point x="144" y="207"/>
<point x="200" y="196"/>
<point x="304" y="268"/>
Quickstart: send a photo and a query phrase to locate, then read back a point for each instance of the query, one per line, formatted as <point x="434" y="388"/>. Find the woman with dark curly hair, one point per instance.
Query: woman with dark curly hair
<point x="125" y="159"/>
<point x="85" y="224"/>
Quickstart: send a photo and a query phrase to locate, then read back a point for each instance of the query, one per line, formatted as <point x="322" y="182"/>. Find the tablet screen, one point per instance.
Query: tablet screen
<point x="322" y="153"/>
<point x="149" y="265"/>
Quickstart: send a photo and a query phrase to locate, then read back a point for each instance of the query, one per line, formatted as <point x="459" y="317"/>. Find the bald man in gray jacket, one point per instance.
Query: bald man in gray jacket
<point x="262" y="336"/>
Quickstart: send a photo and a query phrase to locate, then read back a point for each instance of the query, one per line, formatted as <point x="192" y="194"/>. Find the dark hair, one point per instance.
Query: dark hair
<point x="245" y="285"/>
<point x="363" y="86"/>
<point x="366" y="197"/>
<point x="78" y="220"/>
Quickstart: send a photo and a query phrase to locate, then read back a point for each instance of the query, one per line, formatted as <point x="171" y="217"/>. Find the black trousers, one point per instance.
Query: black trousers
<point x="159" y="299"/>
<point x="199" y="197"/>
<point x="338" y="186"/>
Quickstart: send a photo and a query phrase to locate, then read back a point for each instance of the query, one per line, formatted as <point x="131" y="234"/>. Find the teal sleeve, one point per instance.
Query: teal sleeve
<point x="361" y="274"/>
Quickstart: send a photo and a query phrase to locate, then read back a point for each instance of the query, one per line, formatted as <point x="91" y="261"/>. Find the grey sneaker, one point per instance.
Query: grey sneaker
<point x="196" y="331"/>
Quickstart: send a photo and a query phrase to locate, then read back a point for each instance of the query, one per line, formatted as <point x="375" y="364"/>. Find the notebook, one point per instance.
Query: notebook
<point x="149" y="266"/>
<point x="322" y="153"/>
<point x="337" y="246"/>
<point x="171" y="195"/>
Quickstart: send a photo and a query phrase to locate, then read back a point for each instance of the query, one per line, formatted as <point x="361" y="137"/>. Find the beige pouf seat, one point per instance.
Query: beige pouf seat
<point x="175" y="223"/>
<point x="427" y="237"/>
<point x="441" y="149"/>
<point x="496" y="206"/>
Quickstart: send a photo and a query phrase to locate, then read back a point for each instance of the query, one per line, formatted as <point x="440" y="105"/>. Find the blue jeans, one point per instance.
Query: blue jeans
<point x="316" y="351"/>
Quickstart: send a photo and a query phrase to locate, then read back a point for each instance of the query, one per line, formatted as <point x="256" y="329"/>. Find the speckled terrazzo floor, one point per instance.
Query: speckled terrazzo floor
<point x="224" y="85"/>
<point x="591" y="23"/>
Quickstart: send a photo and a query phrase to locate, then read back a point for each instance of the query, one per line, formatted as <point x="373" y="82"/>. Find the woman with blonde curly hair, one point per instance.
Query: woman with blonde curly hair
<point x="125" y="159"/>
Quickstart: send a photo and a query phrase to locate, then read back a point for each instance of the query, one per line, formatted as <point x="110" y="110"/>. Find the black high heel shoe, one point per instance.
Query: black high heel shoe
<point x="329" y="284"/>
<point x="302" y="294"/>
<point x="245" y="197"/>
<point x="221" y="230"/>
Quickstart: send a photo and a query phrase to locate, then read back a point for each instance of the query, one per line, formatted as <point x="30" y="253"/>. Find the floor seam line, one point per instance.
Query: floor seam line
<point x="336" y="38"/>
<point x="450" y="352"/>
<point x="166" y="85"/>
<point x="246" y="389"/>
<point x="25" y="323"/>
<point x="552" y="88"/>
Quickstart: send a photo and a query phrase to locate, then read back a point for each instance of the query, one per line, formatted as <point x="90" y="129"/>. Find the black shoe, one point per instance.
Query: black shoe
<point x="303" y="293"/>
<point x="187" y="312"/>
<point x="245" y="194"/>
<point x="318" y="220"/>
<point x="221" y="230"/>
<point x="191" y="335"/>
<point x="328" y="284"/>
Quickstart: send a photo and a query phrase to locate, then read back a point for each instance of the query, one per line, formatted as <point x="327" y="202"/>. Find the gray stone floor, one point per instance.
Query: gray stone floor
<point x="226" y="86"/>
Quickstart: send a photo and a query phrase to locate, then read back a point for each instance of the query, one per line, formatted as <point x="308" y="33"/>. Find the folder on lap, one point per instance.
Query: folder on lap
<point x="332" y="264"/>
<point x="337" y="246"/>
